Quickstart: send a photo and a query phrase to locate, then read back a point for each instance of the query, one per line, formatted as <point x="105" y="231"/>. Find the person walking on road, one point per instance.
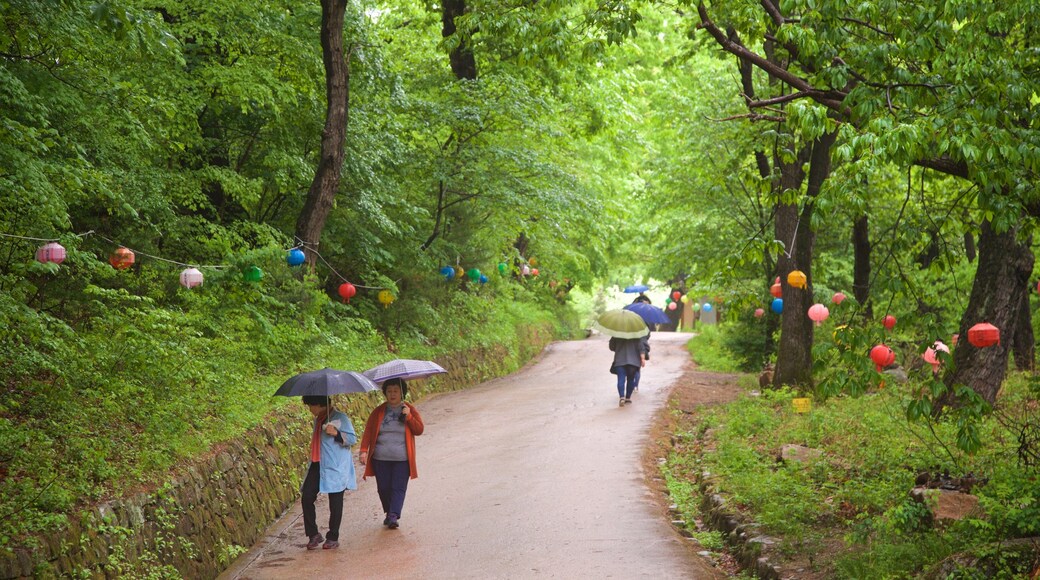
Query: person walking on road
<point x="629" y="357"/>
<point x="388" y="448"/>
<point x="331" y="469"/>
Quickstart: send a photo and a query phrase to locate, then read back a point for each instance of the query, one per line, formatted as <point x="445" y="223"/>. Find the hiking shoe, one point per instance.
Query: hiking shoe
<point x="391" y="522"/>
<point x="386" y="521"/>
<point x="314" y="542"/>
<point x="621" y="402"/>
<point x="628" y="401"/>
<point x="330" y="545"/>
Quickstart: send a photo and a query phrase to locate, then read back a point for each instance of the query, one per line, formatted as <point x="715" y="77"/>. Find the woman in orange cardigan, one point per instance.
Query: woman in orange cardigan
<point x="387" y="448"/>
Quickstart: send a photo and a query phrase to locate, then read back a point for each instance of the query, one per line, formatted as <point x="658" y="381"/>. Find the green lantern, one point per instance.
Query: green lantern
<point x="502" y="267"/>
<point x="474" y="274"/>
<point x="252" y="274"/>
<point x="696" y="306"/>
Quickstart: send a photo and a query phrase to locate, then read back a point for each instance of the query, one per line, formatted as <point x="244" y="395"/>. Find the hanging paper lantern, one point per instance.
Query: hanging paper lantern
<point x="473" y="274"/>
<point x="776" y="289"/>
<point x="797" y="279"/>
<point x="707" y="307"/>
<point x="838" y="298"/>
<point x="533" y="261"/>
<point x="191" y="278"/>
<point x="448" y="272"/>
<point x="534" y="271"/>
<point x="296" y="257"/>
<point x="502" y="267"/>
<point x="676" y="295"/>
<point x="696" y="307"/>
<point x="777" y="306"/>
<point x="667" y="301"/>
<point x="385" y="297"/>
<point x="684" y="299"/>
<point x="672" y="306"/>
<point x="930" y="355"/>
<point x="252" y="274"/>
<point x="1038" y="287"/>
<point x="882" y="356"/>
<point x="818" y="313"/>
<point x="460" y="272"/>
<point x="51" y="252"/>
<point x="954" y="339"/>
<point x="759" y="312"/>
<point x="984" y="334"/>
<point x="122" y="258"/>
<point x="347" y="291"/>
<point x="484" y="279"/>
<point x="526" y="270"/>
<point x="889" y="322"/>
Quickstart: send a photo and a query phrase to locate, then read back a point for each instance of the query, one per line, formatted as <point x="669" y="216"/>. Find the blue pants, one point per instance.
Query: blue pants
<point x="392" y="484"/>
<point x="626" y="380"/>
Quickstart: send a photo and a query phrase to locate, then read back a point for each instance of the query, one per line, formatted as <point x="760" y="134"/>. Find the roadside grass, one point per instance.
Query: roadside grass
<point x="848" y="513"/>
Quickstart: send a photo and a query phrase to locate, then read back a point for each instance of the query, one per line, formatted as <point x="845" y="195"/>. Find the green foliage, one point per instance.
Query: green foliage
<point x="708" y="352"/>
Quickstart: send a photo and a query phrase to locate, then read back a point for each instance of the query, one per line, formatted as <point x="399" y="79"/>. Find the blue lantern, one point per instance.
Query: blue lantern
<point x="706" y="307"/>
<point x="295" y="257"/>
<point x="777" y="306"/>
<point x="483" y="278"/>
<point x="448" y="272"/>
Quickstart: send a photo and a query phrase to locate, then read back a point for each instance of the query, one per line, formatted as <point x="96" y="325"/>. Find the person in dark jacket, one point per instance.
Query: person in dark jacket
<point x="629" y="357"/>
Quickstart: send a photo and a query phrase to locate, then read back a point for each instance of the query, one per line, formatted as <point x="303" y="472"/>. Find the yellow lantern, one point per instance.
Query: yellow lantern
<point x="533" y="261"/>
<point x="797" y="279"/>
<point x="684" y="298"/>
<point x="385" y="297"/>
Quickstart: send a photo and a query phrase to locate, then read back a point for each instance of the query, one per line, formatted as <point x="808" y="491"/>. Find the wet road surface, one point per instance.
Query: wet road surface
<point x="533" y="475"/>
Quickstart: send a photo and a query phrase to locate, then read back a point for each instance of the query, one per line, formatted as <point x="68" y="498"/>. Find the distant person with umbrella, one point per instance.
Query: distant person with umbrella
<point x="626" y="329"/>
<point x="641" y="298"/>
<point x="388" y="448"/>
<point x="331" y="468"/>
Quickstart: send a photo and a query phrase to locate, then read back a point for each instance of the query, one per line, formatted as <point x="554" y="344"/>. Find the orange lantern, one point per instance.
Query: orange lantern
<point x="983" y="334"/>
<point x="882" y="356"/>
<point x="534" y="271"/>
<point x="889" y="322"/>
<point x="776" y="289"/>
<point x="347" y="291"/>
<point x="122" y="258"/>
<point x="797" y="279"/>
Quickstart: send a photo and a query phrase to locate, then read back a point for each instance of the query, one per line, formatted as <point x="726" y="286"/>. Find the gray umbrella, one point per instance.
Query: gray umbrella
<point x="404" y="368"/>
<point x="326" y="382"/>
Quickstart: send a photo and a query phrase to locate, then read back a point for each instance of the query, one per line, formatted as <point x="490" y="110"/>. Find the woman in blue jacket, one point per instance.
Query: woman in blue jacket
<point x="331" y="469"/>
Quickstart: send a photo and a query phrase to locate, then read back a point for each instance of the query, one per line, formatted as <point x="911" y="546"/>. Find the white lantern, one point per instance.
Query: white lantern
<point x="191" y="278"/>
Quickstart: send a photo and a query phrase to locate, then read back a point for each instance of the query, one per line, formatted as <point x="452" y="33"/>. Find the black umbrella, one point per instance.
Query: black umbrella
<point x="324" y="383"/>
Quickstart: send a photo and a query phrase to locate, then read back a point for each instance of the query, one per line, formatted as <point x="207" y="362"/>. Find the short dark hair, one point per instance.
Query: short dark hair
<point x="399" y="382"/>
<point x="321" y="400"/>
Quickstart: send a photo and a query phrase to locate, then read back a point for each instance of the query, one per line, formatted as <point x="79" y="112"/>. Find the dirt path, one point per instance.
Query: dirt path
<point x="536" y="475"/>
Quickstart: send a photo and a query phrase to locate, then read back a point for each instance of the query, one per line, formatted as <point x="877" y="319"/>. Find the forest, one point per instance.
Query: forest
<point x="198" y="199"/>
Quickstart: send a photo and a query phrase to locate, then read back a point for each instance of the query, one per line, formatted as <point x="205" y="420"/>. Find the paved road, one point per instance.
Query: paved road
<point x="534" y="475"/>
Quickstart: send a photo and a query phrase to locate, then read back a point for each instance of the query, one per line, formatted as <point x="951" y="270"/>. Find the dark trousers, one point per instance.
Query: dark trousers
<point x="309" y="491"/>
<point x="392" y="484"/>
<point x="626" y="380"/>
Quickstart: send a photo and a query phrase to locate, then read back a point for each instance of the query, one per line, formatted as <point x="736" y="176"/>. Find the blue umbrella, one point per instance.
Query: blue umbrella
<point x="636" y="289"/>
<point x="649" y="313"/>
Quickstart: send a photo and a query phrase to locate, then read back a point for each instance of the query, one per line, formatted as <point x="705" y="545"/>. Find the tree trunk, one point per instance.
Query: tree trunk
<point x="333" y="137"/>
<point x="463" y="63"/>
<point x="794" y="360"/>
<point x="1023" y="347"/>
<point x="861" y="267"/>
<point x="1003" y="274"/>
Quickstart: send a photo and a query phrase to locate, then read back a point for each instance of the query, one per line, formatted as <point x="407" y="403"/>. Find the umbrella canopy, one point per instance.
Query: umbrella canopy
<point x="622" y="324"/>
<point x="649" y="313"/>
<point x="636" y="289"/>
<point x="403" y="368"/>
<point x="325" y="383"/>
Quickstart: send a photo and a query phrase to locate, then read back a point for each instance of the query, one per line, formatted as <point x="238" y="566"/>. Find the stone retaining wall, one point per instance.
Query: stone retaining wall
<point x="210" y="511"/>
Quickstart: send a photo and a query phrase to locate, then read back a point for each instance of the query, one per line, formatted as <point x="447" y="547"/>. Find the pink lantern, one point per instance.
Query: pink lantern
<point x="930" y="355"/>
<point x="51" y="252"/>
<point x="671" y="306"/>
<point x="526" y="270"/>
<point x="759" y="312"/>
<point x="889" y="322"/>
<point x="954" y="339"/>
<point x="818" y="313"/>
<point x="838" y="298"/>
<point x="191" y="278"/>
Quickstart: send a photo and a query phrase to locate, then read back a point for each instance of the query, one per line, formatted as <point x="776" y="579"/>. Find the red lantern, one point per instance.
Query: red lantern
<point x="122" y="258"/>
<point x="534" y="271"/>
<point x="776" y="289"/>
<point x="759" y="312"/>
<point x="838" y="298"/>
<point x="347" y="291"/>
<point x="954" y="339"/>
<point x="882" y="356"/>
<point x="889" y="322"/>
<point x="984" y="334"/>
<point x="818" y="313"/>
<point x="51" y="252"/>
<point x="1038" y="287"/>
<point x="676" y="295"/>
